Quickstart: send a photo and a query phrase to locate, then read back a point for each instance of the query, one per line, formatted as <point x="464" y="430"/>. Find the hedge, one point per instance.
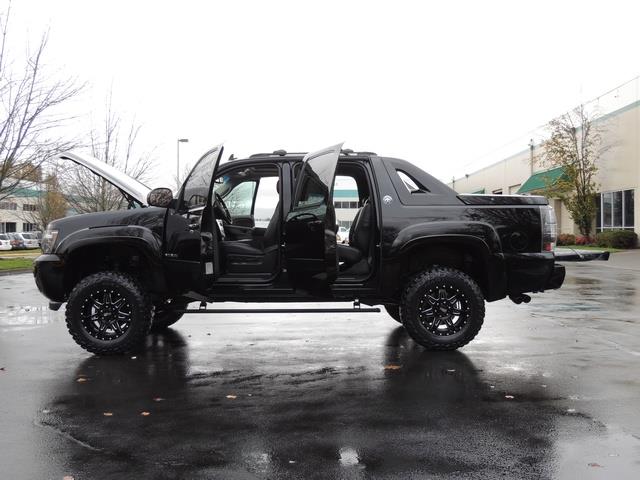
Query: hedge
<point x="617" y="239"/>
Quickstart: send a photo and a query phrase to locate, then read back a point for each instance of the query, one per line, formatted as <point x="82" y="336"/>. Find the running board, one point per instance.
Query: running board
<point x="282" y="310"/>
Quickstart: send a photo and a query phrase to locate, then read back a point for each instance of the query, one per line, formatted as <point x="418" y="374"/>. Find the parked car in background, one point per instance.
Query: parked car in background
<point x="5" y="242"/>
<point x="17" y="242"/>
<point x="342" y="235"/>
<point x="29" y="240"/>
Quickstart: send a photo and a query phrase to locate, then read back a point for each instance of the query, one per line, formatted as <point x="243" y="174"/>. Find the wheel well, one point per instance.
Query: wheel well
<point x="461" y="257"/>
<point x="90" y="259"/>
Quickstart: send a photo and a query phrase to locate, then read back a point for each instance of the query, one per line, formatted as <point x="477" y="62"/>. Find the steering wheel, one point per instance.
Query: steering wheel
<point x="221" y="210"/>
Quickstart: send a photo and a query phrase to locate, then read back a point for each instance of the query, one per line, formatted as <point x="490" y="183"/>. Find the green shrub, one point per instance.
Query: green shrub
<point x="566" y="239"/>
<point x="617" y="239"/>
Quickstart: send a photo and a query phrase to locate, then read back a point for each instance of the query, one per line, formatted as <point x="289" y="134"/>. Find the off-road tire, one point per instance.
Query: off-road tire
<point x="394" y="312"/>
<point x="127" y="288"/>
<point x="416" y="290"/>
<point x="164" y="317"/>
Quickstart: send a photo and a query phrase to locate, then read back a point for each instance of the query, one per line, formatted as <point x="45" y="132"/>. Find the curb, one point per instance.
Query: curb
<point x="15" y="271"/>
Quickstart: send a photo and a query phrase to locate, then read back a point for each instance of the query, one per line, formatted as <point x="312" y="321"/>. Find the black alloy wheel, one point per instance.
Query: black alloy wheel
<point x="442" y="308"/>
<point x="108" y="313"/>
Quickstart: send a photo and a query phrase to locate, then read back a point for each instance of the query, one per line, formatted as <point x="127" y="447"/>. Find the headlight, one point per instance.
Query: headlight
<point x="549" y="228"/>
<point x="48" y="240"/>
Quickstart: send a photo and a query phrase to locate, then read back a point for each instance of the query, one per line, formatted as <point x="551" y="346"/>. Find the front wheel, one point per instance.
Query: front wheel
<point x="442" y="308"/>
<point x="108" y="313"/>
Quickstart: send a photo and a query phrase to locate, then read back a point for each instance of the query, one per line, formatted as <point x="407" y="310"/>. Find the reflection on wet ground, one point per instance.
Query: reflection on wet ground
<point x="548" y="390"/>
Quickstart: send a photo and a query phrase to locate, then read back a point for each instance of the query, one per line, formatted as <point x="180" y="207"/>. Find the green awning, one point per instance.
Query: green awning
<point x="542" y="180"/>
<point x="478" y="191"/>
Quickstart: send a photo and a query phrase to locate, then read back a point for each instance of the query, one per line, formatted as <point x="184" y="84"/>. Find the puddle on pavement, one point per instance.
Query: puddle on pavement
<point x="27" y="316"/>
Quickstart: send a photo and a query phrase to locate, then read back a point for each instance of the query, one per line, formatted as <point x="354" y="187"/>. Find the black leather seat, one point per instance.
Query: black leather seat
<point x="255" y="255"/>
<point x="359" y="238"/>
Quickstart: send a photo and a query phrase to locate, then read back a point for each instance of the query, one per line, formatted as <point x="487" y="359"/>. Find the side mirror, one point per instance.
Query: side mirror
<point x="160" y="197"/>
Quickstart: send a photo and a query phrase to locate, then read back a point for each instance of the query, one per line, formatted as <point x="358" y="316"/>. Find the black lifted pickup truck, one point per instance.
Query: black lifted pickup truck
<point x="263" y="229"/>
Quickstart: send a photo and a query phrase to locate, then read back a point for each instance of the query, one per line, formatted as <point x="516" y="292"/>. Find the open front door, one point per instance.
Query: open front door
<point x="191" y="234"/>
<point x="310" y="226"/>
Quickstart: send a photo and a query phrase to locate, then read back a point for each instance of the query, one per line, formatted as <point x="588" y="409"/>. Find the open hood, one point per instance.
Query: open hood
<point x="123" y="182"/>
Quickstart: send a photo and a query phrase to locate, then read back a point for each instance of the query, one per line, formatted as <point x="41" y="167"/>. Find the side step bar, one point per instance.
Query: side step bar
<point x="282" y="310"/>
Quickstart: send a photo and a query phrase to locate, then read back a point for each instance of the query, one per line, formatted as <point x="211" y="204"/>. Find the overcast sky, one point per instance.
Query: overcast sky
<point x="441" y="84"/>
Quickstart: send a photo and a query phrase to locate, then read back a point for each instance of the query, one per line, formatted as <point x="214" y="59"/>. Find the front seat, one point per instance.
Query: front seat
<point x="359" y="238"/>
<point x="257" y="255"/>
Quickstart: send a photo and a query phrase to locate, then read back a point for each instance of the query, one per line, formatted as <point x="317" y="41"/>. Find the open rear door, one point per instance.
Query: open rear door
<point x="310" y="226"/>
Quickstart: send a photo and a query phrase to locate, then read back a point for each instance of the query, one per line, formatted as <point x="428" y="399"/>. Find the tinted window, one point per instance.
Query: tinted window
<point x="196" y="188"/>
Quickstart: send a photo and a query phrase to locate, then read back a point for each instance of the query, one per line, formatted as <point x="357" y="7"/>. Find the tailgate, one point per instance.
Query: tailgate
<point x="571" y="255"/>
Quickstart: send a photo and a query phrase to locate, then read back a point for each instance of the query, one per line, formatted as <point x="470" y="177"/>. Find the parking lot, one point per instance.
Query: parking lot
<point x="547" y="390"/>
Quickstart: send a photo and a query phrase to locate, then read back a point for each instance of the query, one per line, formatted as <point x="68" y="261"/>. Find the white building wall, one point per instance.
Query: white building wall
<point x="619" y="167"/>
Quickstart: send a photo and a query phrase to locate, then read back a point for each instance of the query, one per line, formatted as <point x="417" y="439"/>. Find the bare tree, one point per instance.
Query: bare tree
<point x="50" y="205"/>
<point x="115" y="145"/>
<point x="576" y="144"/>
<point x="30" y="116"/>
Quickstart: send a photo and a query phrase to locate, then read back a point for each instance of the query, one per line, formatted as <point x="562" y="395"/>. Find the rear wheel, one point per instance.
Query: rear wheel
<point x="108" y="313"/>
<point x="442" y="308"/>
<point x="166" y="314"/>
<point x="394" y="312"/>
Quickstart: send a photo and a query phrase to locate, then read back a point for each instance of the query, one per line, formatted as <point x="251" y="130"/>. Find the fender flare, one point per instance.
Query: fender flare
<point x="138" y="238"/>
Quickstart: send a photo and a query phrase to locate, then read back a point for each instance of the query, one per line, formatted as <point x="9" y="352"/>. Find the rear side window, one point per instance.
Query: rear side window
<point x="411" y="184"/>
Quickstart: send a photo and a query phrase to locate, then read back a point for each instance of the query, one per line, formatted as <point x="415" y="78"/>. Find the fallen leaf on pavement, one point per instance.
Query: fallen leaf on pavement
<point x="145" y="414"/>
<point x="594" y="464"/>
<point x="232" y="397"/>
<point x="67" y="477"/>
<point x="107" y="414"/>
<point x="392" y="367"/>
<point x="81" y="380"/>
<point x="158" y="399"/>
<point x="509" y="397"/>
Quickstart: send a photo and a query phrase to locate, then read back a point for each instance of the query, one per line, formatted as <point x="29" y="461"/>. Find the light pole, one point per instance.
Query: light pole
<point x="180" y="140"/>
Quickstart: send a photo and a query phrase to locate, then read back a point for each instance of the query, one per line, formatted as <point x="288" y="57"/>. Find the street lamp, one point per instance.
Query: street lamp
<point x="180" y="140"/>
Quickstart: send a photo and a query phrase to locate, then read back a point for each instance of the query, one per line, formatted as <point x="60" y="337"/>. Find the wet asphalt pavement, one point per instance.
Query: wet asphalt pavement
<point x="547" y="390"/>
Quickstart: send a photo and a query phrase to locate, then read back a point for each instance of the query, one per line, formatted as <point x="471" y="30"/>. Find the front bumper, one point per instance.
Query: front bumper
<point x="48" y="270"/>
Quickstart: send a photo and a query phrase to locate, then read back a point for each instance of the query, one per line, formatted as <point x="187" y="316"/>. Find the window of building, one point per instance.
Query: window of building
<point x="345" y="204"/>
<point x="615" y="210"/>
<point x="7" y="227"/>
<point x="8" y="206"/>
<point x="29" y="227"/>
<point x="29" y="207"/>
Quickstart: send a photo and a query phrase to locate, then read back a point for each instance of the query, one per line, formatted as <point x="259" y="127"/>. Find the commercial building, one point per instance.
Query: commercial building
<point x="16" y="211"/>
<point x="618" y="175"/>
